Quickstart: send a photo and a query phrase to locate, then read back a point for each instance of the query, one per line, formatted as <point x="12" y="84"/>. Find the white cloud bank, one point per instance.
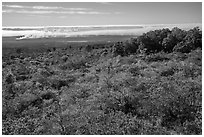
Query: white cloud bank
<point x="48" y="10"/>
<point x="44" y="32"/>
<point x="52" y="12"/>
<point x="43" y="7"/>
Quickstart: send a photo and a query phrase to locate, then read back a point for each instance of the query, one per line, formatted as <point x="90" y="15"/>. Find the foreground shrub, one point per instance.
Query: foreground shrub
<point x="118" y="49"/>
<point x="168" y="72"/>
<point x="74" y="64"/>
<point x="157" y="57"/>
<point x="57" y="82"/>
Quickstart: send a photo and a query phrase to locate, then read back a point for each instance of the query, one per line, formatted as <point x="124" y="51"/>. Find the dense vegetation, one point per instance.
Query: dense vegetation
<point x="151" y="84"/>
<point x="162" y="40"/>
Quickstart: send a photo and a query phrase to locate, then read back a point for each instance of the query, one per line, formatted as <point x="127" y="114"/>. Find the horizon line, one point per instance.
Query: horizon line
<point x="43" y="26"/>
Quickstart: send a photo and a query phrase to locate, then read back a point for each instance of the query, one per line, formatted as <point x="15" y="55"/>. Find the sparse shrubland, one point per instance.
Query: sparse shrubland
<point x="149" y="85"/>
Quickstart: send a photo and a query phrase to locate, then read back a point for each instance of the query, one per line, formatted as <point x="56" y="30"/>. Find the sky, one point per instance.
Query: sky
<point x="100" y="13"/>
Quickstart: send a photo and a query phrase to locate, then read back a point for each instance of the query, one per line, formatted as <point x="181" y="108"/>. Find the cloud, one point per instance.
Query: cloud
<point x="7" y="11"/>
<point x="78" y="8"/>
<point x="13" y="6"/>
<point x="52" y="12"/>
<point x="49" y="10"/>
<point x="62" y="17"/>
<point x="37" y="15"/>
<point x="56" y="8"/>
<point x="105" y="3"/>
<point x="43" y="7"/>
<point x="117" y="12"/>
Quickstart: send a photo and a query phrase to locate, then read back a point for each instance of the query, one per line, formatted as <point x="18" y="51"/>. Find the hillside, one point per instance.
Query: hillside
<point x="149" y="85"/>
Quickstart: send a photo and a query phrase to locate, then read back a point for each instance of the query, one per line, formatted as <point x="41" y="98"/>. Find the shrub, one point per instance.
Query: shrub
<point x="74" y="64"/>
<point x="19" y="50"/>
<point x="130" y="47"/>
<point x="195" y="57"/>
<point x="118" y="49"/>
<point x="182" y="105"/>
<point x="161" y="40"/>
<point x="157" y="57"/>
<point x="64" y="58"/>
<point x="191" y="41"/>
<point x="168" y="43"/>
<point x="178" y="112"/>
<point x="135" y="71"/>
<point x="151" y="41"/>
<point x="168" y="72"/>
<point x="21" y="72"/>
<point x="191" y="70"/>
<point x="88" y="48"/>
<point x="9" y="79"/>
<point x="27" y="124"/>
<point x="184" y="47"/>
<point x="57" y="82"/>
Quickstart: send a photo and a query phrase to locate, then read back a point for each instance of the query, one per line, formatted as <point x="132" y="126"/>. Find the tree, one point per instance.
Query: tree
<point x="118" y="49"/>
<point x="194" y="36"/>
<point x="168" y="43"/>
<point x="130" y="46"/>
<point x="178" y="34"/>
<point x="191" y="41"/>
<point x="152" y="40"/>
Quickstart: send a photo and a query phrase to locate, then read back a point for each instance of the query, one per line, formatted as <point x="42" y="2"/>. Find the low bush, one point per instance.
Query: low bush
<point x="57" y="82"/>
<point x="168" y="72"/>
<point x="135" y="71"/>
<point x="76" y="64"/>
<point x="157" y="57"/>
